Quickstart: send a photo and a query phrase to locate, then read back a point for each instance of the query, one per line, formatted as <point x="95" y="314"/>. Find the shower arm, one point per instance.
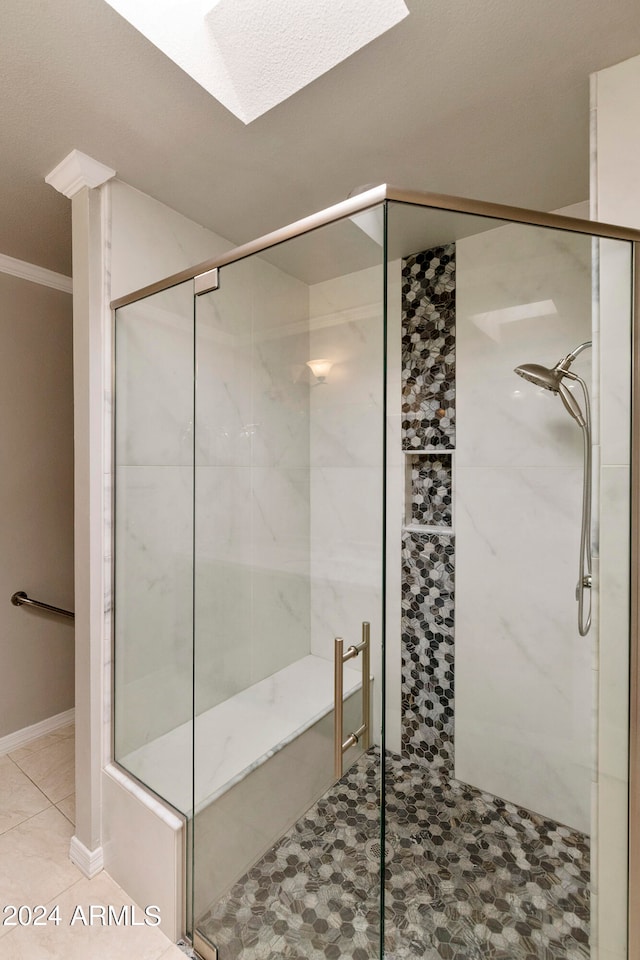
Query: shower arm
<point x="584" y="572"/>
<point x="570" y="357"/>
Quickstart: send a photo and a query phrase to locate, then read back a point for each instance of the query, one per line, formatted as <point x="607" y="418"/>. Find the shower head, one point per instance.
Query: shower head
<point x="551" y="378"/>
<point x="541" y="376"/>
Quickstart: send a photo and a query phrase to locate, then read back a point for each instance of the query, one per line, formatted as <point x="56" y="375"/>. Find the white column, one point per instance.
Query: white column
<point x="81" y="178"/>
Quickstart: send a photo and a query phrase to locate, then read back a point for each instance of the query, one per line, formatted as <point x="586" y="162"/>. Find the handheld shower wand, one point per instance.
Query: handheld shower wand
<point x="551" y="378"/>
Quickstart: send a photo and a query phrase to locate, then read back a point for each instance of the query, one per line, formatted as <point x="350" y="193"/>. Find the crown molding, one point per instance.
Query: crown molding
<point x="29" y="271"/>
<point x="76" y="171"/>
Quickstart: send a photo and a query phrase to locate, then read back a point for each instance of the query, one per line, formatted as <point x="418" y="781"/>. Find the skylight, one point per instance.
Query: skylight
<point x="253" y="54"/>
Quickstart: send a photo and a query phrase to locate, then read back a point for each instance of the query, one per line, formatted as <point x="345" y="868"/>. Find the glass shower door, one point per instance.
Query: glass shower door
<point x="153" y="549"/>
<point x="506" y="769"/>
<point x="288" y="556"/>
<point x="259" y="426"/>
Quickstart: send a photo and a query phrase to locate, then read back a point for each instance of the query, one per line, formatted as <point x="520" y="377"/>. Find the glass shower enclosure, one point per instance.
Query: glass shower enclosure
<point x="351" y="536"/>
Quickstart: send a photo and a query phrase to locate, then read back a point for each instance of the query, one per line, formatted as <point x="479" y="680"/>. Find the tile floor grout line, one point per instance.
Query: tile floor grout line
<point x="39" y="789"/>
<point x="37" y="785"/>
<point x="65" y="815"/>
<point x="66" y="889"/>
<point x="52" y="844"/>
<point x="35" y="753"/>
<point x="27" y="819"/>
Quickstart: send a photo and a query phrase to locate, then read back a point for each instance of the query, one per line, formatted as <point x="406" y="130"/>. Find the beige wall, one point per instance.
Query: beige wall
<point x="36" y="493"/>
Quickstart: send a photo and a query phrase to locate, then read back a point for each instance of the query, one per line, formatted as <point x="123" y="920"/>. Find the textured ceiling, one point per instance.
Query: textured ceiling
<point x="487" y="99"/>
<point x="251" y="55"/>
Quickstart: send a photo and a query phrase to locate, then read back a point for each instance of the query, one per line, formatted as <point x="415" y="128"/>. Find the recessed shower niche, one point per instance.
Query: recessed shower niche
<point x="429" y="478"/>
<point x="422" y="503"/>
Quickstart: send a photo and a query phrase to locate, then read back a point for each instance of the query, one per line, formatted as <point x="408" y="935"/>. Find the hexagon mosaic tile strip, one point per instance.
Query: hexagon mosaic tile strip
<point x="469" y="877"/>
<point x="428" y="420"/>
<point x="428" y="349"/>
<point x="428" y="648"/>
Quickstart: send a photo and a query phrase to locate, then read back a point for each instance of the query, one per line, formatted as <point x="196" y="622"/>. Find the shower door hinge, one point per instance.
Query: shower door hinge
<point x="203" y="947"/>
<point x="206" y="282"/>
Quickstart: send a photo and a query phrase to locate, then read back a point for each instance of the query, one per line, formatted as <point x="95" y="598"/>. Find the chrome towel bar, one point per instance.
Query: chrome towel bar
<point x="19" y="598"/>
<point x="362" y="734"/>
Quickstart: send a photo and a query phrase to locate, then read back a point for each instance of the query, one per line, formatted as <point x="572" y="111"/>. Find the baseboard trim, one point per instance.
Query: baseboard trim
<point x="90" y="862"/>
<point x="13" y="741"/>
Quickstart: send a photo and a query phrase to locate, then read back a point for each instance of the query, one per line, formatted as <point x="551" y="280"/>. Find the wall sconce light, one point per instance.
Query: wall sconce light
<point x="320" y="369"/>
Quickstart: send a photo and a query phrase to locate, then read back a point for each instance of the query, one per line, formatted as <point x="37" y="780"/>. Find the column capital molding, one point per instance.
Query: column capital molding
<point x="76" y="171"/>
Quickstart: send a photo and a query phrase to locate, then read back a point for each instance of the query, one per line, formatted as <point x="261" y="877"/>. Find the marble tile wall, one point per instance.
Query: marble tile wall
<point x="251" y="475"/>
<point x="252" y="479"/>
<point x="149" y="240"/>
<point x="523" y="723"/>
<point x="427" y="588"/>
<point x="145" y="240"/>
<point x="153" y="517"/>
<point x="346" y="453"/>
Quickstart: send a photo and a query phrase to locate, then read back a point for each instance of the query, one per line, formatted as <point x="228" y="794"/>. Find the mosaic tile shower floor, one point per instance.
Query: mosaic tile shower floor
<point x="469" y="877"/>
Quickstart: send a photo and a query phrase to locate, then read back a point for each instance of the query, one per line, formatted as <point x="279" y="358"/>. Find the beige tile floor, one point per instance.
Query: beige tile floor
<point x="37" y="809"/>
